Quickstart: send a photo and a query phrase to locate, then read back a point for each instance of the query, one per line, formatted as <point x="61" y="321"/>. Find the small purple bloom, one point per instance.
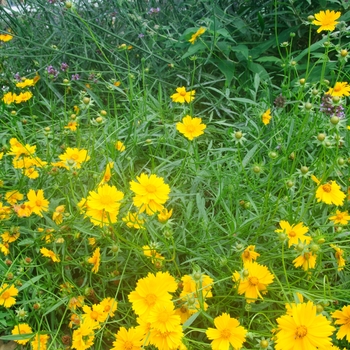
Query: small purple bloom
<point x="75" y="77"/>
<point x="53" y="73"/>
<point x="64" y="66"/>
<point x="17" y="77"/>
<point x="141" y="35"/>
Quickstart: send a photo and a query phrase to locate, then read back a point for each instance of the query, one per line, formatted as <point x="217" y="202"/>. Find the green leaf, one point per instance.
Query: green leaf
<point x="228" y="69"/>
<point x="249" y="155"/>
<point x="190" y="320"/>
<point x="193" y="49"/>
<point x="30" y="282"/>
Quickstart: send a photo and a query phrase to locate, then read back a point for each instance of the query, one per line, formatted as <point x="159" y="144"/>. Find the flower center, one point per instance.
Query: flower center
<point x="5" y="295"/>
<point x="183" y="93"/>
<point x="74" y="156"/>
<point x="94" y="315"/>
<point x="190" y="128"/>
<point x="340" y="217"/>
<point x="307" y="256"/>
<point x="300" y="332"/>
<point x="292" y="234"/>
<point x="106" y="200"/>
<point x="163" y="317"/>
<point x="327" y="188"/>
<point x="338" y="255"/>
<point x="225" y="333"/>
<point x="246" y="254"/>
<point x="151" y="188"/>
<point x="151" y="299"/>
<point x="107" y="308"/>
<point x="337" y="88"/>
<point x="128" y="345"/>
<point x="38" y="203"/>
<point x="253" y="281"/>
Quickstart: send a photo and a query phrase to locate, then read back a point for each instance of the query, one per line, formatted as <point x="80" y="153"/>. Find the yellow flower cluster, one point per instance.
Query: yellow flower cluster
<point x="11" y="97"/>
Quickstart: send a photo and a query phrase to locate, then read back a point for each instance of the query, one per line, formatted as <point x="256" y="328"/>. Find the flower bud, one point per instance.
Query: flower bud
<point x="302" y="81"/>
<point x="321" y="137"/>
<point x="310" y="18"/>
<point x="335" y="120"/>
<point x="343" y="53"/>
<point x="86" y="100"/>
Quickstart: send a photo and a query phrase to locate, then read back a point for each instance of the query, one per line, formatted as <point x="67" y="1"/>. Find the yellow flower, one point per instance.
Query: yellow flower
<point x="295" y="233"/>
<point x="303" y="329"/>
<point x="266" y="117"/>
<point x="340" y="89"/>
<point x="72" y="126"/>
<point x="163" y="318"/>
<point x="92" y="241"/>
<point x="109" y="306"/>
<point x="50" y="254"/>
<point x="11" y="235"/>
<point x="119" y="146"/>
<point x="133" y="220"/>
<point x="95" y="313"/>
<point x="182" y="96"/>
<point x="5" y="37"/>
<point x="339" y="256"/>
<point x="83" y="337"/>
<point x="191" y="127"/>
<point x="117" y="83"/>
<point x="23" y="97"/>
<point x="9" y="98"/>
<point x="168" y="340"/>
<point x="21" y="329"/>
<point x="150" y="193"/>
<point x="255" y="278"/>
<point x="306" y="261"/>
<point x="343" y="319"/>
<point x="228" y="331"/>
<point x="95" y="260"/>
<point x="150" y="291"/>
<point x="249" y="254"/>
<point x="57" y="216"/>
<point x="5" y="212"/>
<point x="4" y="248"/>
<point x="18" y="150"/>
<point x="326" y="20"/>
<point x="197" y="34"/>
<point x="128" y="339"/>
<point x="107" y="174"/>
<point x="165" y="215"/>
<point x="75" y="302"/>
<point x="37" y="202"/>
<point x="152" y="254"/>
<point x="25" y="83"/>
<point x="7" y="294"/>
<point x="329" y="193"/>
<point x="72" y="158"/>
<point x="341" y="217"/>
<point x="40" y="342"/>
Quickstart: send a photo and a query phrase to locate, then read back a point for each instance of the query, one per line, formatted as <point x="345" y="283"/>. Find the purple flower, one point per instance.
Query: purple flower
<point x="75" y="77"/>
<point x="153" y="10"/>
<point x="17" y="77"/>
<point x="64" y="66"/>
<point x="141" y="35"/>
<point x="53" y="73"/>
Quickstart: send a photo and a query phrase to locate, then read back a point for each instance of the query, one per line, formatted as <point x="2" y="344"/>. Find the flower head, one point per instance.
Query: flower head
<point x="329" y="193"/>
<point x="249" y="254"/>
<point x="191" y="127"/>
<point x="295" y="233"/>
<point x="254" y="280"/>
<point x="266" y="117"/>
<point x="37" y="202"/>
<point x="197" y="34"/>
<point x="133" y="220"/>
<point x="304" y="329"/>
<point x="340" y="217"/>
<point x="128" y="339"/>
<point x="339" y="256"/>
<point x="95" y="260"/>
<point x="228" y="331"/>
<point x="343" y="319"/>
<point x="306" y="260"/>
<point x="7" y="294"/>
<point x="57" y="215"/>
<point x="21" y="329"/>
<point x="150" y="193"/>
<point x="119" y="146"/>
<point x="40" y="342"/>
<point x="165" y="215"/>
<point x="72" y="158"/>
<point x="72" y="126"/>
<point x="326" y="20"/>
<point x="5" y="37"/>
<point x="182" y="96"/>
<point x="340" y="89"/>
<point x="50" y="254"/>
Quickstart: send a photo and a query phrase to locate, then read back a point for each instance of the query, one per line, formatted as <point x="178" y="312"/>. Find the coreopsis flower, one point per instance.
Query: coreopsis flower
<point x="343" y="319"/>
<point x="57" y="215"/>
<point x="95" y="260"/>
<point x="326" y="20"/>
<point x="164" y="215"/>
<point x="253" y="281"/>
<point x="92" y="241"/>
<point x="95" y="313"/>
<point x="23" y="97"/>
<point x="109" y="306"/>
<point x="306" y="260"/>
<point x="150" y="291"/>
<point x="40" y="342"/>
<point x="295" y="233"/>
<point x="266" y="117"/>
<point x="9" y="98"/>
<point x="152" y="253"/>
<point x="72" y="126"/>
<point x="340" y="89"/>
<point x="5" y="212"/>
<point x="5" y="248"/>
<point x="83" y="337"/>
<point x="75" y="302"/>
<point x="303" y="329"/>
<point x="163" y="318"/>
<point x="150" y="193"/>
<point x="22" y="329"/>
<point x="131" y="338"/>
<point x="74" y="321"/>
<point x="13" y="196"/>
<point x="249" y="254"/>
<point x="5" y="37"/>
<point x="119" y="146"/>
<point x="167" y="340"/>
<point x="133" y="220"/>
<point x="103" y="205"/>
<point x="228" y="331"/>
<point x="340" y="217"/>
<point x="7" y="294"/>
<point x="50" y="254"/>
<point x="197" y="283"/>
<point x="329" y="193"/>
<point x="191" y="127"/>
<point x="37" y="202"/>
<point x="22" y="210"/>
<point x="107" y="174"/>
<point x="18" y="150"/>
<point x="182" y="96"/>
<point x="25" y="83"/>
<point x="339" y="256"/>
<point x="197" y="34"/>
<point x="11" y="235"/>
<point x="72" y="158"/>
